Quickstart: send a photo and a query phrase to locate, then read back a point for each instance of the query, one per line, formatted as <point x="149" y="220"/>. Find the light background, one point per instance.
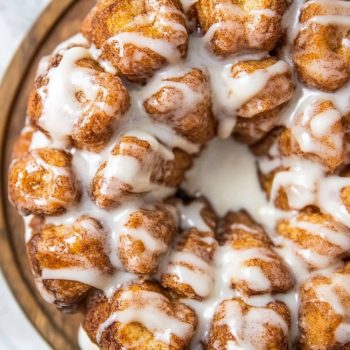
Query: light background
<point x="16" y="17"/>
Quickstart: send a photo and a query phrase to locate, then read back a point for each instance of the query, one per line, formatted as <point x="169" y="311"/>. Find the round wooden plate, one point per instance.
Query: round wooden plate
<point x="60" y="20"/>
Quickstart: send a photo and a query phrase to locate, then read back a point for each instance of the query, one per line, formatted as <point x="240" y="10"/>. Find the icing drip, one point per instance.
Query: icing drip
<point x="191" y="216"/>
<point x="236" y="269"/>
<point x="248" y="329"/>
<point x="61" y="109"/>
<point x="330" y="293"/>
<point x="84" y="341"/>
<point x="163" y="326"/>
<point x="240" y="89"/>
<point x="200" y="279"/>
<point x="159" y="46"/>
<point x="92" y="277"/>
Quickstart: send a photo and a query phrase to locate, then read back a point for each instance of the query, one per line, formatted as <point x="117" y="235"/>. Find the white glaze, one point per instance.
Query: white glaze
<point x="191" y="216"/>
<point x="61" y="109"/>
<point x="163" y="326"/>
<point x="248" y="329"/>
<point x="330" y="293"/>
<point x="92" y="277"/>
<point x="237" y="271"/>
<point x="242" y="88"/>
<point x="225" y="173"/>
<point x="160" y="46"/>
<point x="84" y="341"/>
<point x="215" y="176"/>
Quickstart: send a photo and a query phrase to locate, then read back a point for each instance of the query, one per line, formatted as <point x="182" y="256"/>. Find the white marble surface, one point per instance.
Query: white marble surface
<point x="16" y="17"/>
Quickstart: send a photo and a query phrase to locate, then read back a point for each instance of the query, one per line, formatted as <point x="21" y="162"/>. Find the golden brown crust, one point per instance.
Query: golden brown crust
<point x="199" y="242"/>
<point x="316" y="135"/>
<point x="133" y="39"/>
<point x="104" y="199"/>
<point x="159" y="223"/>
<point x="135" y="334"/>
<point x="266" y="337"/>
<point x="313" y="231"/>
<point x="319" y="317"/>
<point x="208" y="214"/>
<point x="281" y="199"/>
<point x="80" y="246"/>
<point x="251" y="130"/>
<point x="268" y="148"/>
<point x="156" y="165"/>
<point x="34" y="105"/>
<point x="328" y="149"/>
<point x="200" y="245"/>
<point x="241" y="233"/>
<point x="143" y="18"/>
<point x="94" y="130"/>
<point x="174" y="170"/>
<point x="321" y="57"/>
<point x="191" y="119"/>
<point x="278" y="90"/>
<point x="202" y="205"/>
<point x="240" y="28"/>
<point x="109" y="191"/>
<point x="261" y="113"/>
<point x="43" y="182"/>
<point x="235" y="227"/>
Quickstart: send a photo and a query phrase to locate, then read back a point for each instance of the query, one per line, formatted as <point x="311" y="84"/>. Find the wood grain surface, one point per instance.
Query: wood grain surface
<point x="60" y="20"/>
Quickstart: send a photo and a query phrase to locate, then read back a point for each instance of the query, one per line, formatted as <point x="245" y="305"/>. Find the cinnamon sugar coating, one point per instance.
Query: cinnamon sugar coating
<point x="98" y="111"/>
<point x="321" y="53"/>
<point x="314" y="137"/>
<point x="323" y="320"/>
<point x="154" y="165"/>
<point x="317" y="233"/>
<point x="149" y="22"/>
<point x="235" y="26"/>
<point x="188" y="271"/>
<point x="43" y="182"/>
<point x="330" y="143"/>
<point x="260" y="114"/>
<point x="138" y="333"/>
<point x="190" y="116"/>
<point x="281" y="198"/>
<point x="142" y="255"/>
<point x="249" y="330"/>
<point x="173" y="172"/>
<point x="268" y="148"/>
<point x="248" y="239"/>
<point x="56" y="247"/>
<point x="194" y="252"/>
<point x="116" y="119"/>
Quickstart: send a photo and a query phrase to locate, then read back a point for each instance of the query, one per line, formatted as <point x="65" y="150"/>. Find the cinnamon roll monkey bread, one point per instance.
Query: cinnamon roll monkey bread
<point x="122" y="113"/>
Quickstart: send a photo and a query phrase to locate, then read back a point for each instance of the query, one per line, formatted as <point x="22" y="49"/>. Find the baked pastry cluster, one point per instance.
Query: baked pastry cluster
<point x="117" y="116"/>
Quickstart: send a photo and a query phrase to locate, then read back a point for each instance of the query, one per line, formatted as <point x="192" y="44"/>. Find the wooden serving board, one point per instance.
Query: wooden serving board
<point x="60" y="20"/>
